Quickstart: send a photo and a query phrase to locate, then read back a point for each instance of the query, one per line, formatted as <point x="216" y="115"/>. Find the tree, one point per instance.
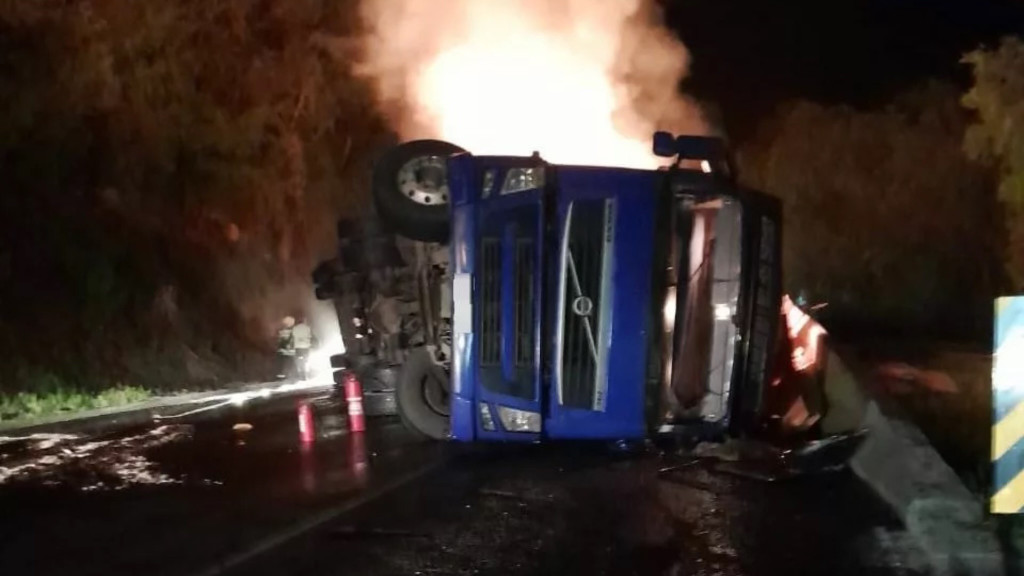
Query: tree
<point x="996" y="138"/>
<point x="189" y="157"/>
<point x="884" y="217"/>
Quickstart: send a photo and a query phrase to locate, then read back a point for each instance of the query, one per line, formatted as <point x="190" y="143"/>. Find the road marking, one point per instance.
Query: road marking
<point x="316" y="520"/>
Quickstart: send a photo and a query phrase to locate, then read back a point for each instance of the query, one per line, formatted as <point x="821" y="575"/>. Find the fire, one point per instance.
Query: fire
<point x="324" y="321"/>
<point x="580" y="81"/>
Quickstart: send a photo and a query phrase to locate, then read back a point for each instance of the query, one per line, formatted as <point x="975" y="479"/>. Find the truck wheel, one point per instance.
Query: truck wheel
<point x="422" y="395"/>
<point x="410" y="189"/>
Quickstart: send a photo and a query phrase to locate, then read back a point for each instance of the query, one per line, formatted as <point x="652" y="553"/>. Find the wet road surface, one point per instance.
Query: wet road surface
<point x="219" y="500"/>
<point x="576" y="511"/>
<point x="216" y="492"/>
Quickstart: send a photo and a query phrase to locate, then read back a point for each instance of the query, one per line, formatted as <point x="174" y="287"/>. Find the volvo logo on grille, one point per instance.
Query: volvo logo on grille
<point x="582" y="306"/>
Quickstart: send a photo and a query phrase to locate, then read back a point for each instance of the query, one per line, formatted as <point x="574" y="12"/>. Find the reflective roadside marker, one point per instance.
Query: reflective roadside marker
<point x="1008" y="407"/>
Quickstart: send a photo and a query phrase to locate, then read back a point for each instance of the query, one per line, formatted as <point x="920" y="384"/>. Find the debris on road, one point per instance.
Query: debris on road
<point x="764" y="462"/>
<point x="32" y="442"/>
<point x="95" y="465"/>
<point x="827" y="454"/>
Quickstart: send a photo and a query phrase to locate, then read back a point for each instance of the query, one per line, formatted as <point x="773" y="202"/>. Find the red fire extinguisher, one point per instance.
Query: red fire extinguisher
<point x="354" y="399"/>
<point x="306" y="430"/>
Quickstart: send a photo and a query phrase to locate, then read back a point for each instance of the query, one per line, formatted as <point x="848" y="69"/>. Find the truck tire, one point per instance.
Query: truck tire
<point x="419" y="387"/>
<point x="410" y="189"/>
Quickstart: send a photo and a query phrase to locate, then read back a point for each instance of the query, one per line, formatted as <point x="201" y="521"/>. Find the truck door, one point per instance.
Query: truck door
<point x="599" y="284"/>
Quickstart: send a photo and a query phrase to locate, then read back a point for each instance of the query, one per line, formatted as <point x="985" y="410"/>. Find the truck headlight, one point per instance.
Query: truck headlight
<point x="486" y="420"/>
<point x="519" y="179"/>
<point x="514" y="420"/>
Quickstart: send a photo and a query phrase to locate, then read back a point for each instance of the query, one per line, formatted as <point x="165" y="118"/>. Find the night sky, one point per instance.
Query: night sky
<point x="750" y="55"/>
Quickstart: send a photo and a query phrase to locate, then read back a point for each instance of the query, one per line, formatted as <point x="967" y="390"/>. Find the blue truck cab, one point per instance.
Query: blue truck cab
<point x="597" y="302"/>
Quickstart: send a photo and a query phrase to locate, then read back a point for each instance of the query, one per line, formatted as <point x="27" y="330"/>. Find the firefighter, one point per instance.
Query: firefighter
<point x="303" y="342"/>
<point x="286" y="348"/>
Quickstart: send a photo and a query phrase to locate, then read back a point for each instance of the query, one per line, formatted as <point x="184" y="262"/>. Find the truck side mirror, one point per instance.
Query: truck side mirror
<point x="665" y="145"/>
<point x="700" y="148"/>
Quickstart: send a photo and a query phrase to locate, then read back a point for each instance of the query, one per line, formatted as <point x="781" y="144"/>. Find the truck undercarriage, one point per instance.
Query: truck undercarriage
<point x="393" y="300"/>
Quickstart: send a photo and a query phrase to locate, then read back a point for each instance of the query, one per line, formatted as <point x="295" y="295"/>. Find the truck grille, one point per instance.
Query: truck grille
<point x="583" y="275"/>
<point x="490" y="302"/>
<point x="505" y="294"/>
<point x="522" y="284"/>
<point x="524" y="300"/>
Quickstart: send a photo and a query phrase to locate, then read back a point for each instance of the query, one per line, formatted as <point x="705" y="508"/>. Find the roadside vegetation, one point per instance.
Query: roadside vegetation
<point x="907" y="218"/>
<point x="57" y="399"/>
<point x="886" y="219"/>
<point x="996" y="140"/>
<point x="172" y="170"/>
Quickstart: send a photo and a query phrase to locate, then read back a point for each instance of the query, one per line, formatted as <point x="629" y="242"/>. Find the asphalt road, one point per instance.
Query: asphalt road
<point x="201" y="496"/>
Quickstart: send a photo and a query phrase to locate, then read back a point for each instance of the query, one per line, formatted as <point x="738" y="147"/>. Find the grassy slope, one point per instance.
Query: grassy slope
<point x="34" y="404"/>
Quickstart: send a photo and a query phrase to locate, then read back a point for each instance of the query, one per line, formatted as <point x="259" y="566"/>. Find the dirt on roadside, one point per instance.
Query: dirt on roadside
<point x="945" y="389"/>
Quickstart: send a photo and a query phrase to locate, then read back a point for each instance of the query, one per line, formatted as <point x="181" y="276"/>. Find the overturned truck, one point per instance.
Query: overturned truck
<point x="508" y="298"/>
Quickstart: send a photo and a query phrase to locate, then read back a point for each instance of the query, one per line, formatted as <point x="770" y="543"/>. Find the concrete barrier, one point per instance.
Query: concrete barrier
<point x="945" y="519"/>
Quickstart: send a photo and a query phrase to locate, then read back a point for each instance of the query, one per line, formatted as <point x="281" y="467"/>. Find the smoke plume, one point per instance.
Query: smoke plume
<point x="580" y="81"/>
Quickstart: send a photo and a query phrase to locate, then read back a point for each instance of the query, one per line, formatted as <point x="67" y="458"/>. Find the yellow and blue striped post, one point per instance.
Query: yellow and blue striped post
<point x="1008" y="407"/>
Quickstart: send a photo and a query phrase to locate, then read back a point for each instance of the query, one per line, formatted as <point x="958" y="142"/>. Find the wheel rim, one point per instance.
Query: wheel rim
<point x="424" y="180"/>
<point x="435" y="394"/>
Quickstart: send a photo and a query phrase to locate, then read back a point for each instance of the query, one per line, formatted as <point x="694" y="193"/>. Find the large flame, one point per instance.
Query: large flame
<point x="580" y="81"/>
